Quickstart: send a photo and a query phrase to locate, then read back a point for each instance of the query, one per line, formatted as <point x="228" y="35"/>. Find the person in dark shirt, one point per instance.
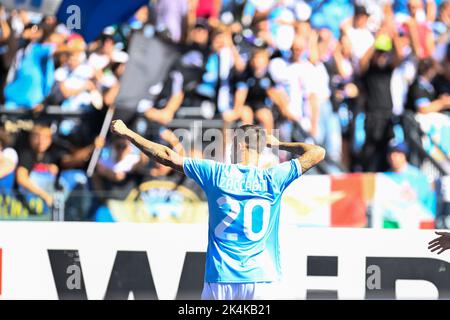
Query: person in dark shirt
<point x="422" y="95"/>
<point x="184" y="77"/>
<point x="40" y="157"/>
<point x="432" y="110"/>
<point x="256" y="93"/>
<point x="377" y="66"/>
<point x="442" y="81"/>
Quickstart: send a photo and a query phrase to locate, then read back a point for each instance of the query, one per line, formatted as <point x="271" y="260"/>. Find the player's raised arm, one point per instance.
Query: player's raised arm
<point x="310" y="154"/>
<point x="155" y="151"/>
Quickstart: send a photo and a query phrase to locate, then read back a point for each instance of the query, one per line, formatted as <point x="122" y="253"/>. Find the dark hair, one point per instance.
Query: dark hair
<point x="201" y="23"/>
<point x="5" y="139"/>
<point x="424" y="66"/>
<point x="260" y="50"/>
<point x="254" y="137"/>
<point x="47" y="31"/>
<point x="31" y="25"/>
<point x="105" y="37"/>
<point x="220" y="29"/>
<point x="360" y="10"/>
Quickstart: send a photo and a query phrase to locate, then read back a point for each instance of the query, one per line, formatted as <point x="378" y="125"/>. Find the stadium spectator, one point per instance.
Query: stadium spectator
<point x="404" y="74"/>
<point x="39" y="164"/>
<point x="256" y="93"/>
<point x="112" y="178"/>
<point x="8" y="156"/>
<point x="441" y="30"/>
<point x="221" y="67"/>
<point x="78" y="157"/>
<point x="442" y="80"/>
<point x="109" y="81"/>
<point x="328" y="131"/>
<point x="398" y="161"/>
<point x="75" y="79"/>
<point x="360" y="37"/>
<point x="343" y="83"/>
<point x="377" y="66"/>
<point x="423" y="99"/>
<point x="184" y="76"/>
<point x="5" y="35"/>
<point x="33" y="68"/>
<point x="76" y="87"/>
<point x="171" y="16"/>
<point x="119" y="162"/>
<point x="422" y="37"/>
<point x="101" y="57"/>
<point x="303" y="95"/>
<point x="414" y="183"/>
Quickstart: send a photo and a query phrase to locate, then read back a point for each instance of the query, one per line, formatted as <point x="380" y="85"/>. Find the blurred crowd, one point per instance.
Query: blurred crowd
<point x="339" y="73"/>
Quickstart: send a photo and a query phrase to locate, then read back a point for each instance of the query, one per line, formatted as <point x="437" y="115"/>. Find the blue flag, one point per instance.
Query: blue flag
<point x="86" y="17"/>
<point x="94" y="16"/>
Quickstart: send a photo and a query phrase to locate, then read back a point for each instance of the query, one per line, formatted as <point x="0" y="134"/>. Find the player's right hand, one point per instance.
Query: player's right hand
<point x="119" y="128"/>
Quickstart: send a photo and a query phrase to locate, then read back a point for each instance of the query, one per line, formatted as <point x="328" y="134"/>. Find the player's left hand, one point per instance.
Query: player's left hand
<point x="440" y="243"/>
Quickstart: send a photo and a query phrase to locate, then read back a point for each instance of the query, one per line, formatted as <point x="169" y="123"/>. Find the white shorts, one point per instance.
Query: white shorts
<point x="240" y="291"/>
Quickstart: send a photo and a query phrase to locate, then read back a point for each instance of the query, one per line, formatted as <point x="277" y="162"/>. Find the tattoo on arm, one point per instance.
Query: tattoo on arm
<point x="157" y="152"/>
<point x="310" y="155"/>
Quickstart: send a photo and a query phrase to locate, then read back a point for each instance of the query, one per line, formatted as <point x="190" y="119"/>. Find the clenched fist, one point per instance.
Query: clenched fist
<point x="119" y="128"/>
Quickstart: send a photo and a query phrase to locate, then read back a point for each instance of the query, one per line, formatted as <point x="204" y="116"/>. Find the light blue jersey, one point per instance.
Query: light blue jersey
<point x="244" y="212"/>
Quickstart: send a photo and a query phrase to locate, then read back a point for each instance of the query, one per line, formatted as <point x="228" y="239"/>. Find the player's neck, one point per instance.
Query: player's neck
<point x="249" y="160"/>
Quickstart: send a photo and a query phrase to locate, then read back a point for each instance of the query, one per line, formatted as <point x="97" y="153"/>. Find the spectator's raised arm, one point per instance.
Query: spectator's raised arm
<point x="239" y="63"/>
<point x="81" y="156"/>
<point x="39" y="155"/>
<point x="4" y="26"/>
<point x="364" y="63"/>
<point x="281" y="99"/>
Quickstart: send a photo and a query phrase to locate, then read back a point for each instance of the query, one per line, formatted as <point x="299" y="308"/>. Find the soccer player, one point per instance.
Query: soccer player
<point x="242" y="259"/>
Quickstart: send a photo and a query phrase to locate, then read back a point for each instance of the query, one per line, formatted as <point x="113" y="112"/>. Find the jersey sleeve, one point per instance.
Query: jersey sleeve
<point x="283" y="174"/>
<point x="241" y="80"/>
<point x="200" y="170"/>
<point x="421" y="98"/>
<point x="26" y="160"/>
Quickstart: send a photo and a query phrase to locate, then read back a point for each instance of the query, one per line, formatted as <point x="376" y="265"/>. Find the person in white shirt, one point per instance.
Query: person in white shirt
<point x="102" y="57"/>
<point x="309" y="93"/>
<point x="119" y="161"/>
<point x="75" y="80"/>
<point x="8" y="156"/>
<point x="360" y="36"/>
